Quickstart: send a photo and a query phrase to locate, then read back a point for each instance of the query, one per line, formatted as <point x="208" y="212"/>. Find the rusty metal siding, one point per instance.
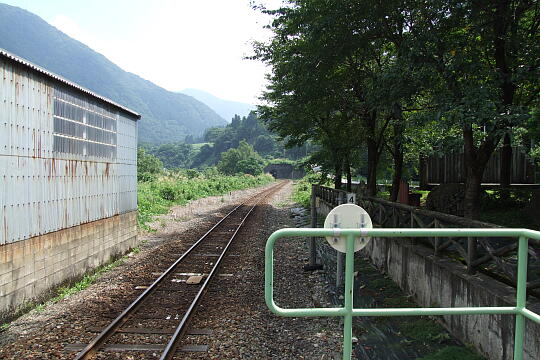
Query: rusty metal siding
<point x="59" y="79"/>
<point x="46" y="184"/>
<point x="126" y="159"/>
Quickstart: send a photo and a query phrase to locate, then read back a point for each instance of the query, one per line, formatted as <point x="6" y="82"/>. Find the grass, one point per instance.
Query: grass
<point x="87" y="280"/>
<point x="154" y="198"/>
<point x="423" y="197"/>
<point x="421" y="329"/>
<point x="422" y="335"/>
<point x="510" y="217"/>
<point x="66" y="291"/>
<point x="302" y="193"/>
<point x="157" y="197"/>
<point x="302" y="189"/>
<point x="453" y="353"/>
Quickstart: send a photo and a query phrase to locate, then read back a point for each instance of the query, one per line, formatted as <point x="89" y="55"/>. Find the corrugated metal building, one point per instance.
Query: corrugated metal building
<point x="68" y="180"/>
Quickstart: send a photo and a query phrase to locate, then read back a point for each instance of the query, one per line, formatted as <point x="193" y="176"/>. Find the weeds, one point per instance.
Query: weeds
<point x="453" y="353"/>
<point x="156" y="197"/>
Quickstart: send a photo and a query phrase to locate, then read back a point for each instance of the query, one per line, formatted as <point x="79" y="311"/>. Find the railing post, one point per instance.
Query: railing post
<point x="312" y="265"/>
<point x="471" y="254"/>
<point x="348" y="295"/>
<point x="312" y="245"/>
<point x="521" y="296"/>
<point x="339" y="262"/>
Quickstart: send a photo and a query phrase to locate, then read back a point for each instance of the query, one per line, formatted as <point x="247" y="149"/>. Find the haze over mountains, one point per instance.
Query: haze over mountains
<point x="225" y="108"/>
<point x="166" y="116"/>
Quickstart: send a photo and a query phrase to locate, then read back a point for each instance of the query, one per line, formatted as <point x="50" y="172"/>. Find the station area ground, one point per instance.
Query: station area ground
<point x="233" y="314"/>
<point x="232" y="321"/>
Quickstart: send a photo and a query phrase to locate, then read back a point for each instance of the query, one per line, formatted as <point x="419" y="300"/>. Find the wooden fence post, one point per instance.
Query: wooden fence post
<point x="471" y="254"/>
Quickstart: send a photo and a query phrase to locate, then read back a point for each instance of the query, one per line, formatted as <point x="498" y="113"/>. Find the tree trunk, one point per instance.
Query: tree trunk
<point x="473" y="188"/>
<point x="506" y="162"/>
<point x="348" y="172"/>
<point x="398" y="171"/>
<point x="423" y="174"/>
<point x="338" y="174"/>
<point x="398" y="127"/>
<point x="373" y="160"/>
<point x="475" y="163"/>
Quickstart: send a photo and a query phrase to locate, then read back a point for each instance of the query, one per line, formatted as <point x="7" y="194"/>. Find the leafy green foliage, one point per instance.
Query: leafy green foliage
<point x="178" y="188"/>
<point x="302" y="193"/>
<point x="241" y="160"/>
<point x="302" y="188"/>
<point x="253" y="131"/>
<point x="173" y="156"/>
<point x="182" y="155"/>
<point x="148" y="166"/>
<point x="376" y="76"/>
<point x="507" y="208"/>
<point x="424" y="330"/>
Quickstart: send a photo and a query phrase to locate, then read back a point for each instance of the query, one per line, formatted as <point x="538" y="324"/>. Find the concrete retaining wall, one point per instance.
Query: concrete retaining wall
<point x="439" y="282"/>
<point x="29" y="268"/>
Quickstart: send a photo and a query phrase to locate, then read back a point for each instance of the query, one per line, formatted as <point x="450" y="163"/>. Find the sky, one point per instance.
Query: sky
<point x="176" y="44"/>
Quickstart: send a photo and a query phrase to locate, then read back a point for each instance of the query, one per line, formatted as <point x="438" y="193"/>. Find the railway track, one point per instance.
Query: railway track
<point x="173" y="297"/>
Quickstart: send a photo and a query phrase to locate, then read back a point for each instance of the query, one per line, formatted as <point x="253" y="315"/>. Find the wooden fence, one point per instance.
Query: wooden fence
<point x="497" y="257"/>
<point x="450" y="168"/>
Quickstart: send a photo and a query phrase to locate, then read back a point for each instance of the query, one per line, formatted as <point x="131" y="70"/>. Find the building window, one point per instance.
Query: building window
<point x="82" y="126"/>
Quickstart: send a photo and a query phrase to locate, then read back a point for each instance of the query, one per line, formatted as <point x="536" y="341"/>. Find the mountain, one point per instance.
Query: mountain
<point x="166" y="116"/>
<point x="225" y="108"/>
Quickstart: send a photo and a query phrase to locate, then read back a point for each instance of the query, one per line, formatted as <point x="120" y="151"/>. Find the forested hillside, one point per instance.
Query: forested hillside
<point x="166" y="116"/>
<point x="218" y="140"/>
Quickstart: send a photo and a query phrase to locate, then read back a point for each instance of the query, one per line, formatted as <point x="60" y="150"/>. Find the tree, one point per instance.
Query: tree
<point x="468" y="65"/>
<point x="240" y="160"/>
<point x="177" y="155"/>
<point x="264" y="144"/>
<point x="483" y="56"/>
<point x="147" y="165"/>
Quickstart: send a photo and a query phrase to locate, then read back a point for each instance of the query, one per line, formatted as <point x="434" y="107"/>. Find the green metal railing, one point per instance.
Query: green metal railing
<point x="348" y="311"/>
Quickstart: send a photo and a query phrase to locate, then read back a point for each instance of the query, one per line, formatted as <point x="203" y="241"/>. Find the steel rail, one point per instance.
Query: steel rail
<point x="170" y="349"/>
<point x="110" y="330"/>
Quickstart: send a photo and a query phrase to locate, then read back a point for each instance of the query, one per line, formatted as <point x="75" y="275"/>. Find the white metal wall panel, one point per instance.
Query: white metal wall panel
<point x="127" y="163"/>
<point x="43" y="190"/>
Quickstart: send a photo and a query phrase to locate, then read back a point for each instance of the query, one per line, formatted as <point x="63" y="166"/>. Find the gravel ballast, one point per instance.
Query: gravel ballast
<point x="233" y="309"/>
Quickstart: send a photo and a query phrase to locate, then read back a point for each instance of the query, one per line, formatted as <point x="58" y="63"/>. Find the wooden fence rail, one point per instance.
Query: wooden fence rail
<point x="496" y="257"/>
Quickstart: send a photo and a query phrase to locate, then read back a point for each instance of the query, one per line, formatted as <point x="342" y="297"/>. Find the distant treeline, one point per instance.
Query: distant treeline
<point x="217" y="140"/>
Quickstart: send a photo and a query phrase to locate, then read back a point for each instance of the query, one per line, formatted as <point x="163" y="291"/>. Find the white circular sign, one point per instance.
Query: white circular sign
<point x="347" y="216"/>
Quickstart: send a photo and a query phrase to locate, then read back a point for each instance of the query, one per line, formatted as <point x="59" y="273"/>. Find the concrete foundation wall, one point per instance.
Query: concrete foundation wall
<point x="438" y="282"/>
<point x="29" y="268"/>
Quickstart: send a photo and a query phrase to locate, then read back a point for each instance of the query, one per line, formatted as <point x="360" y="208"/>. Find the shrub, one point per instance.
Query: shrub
<point x="167" y="192"/>
<point x="146" y="177"/>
